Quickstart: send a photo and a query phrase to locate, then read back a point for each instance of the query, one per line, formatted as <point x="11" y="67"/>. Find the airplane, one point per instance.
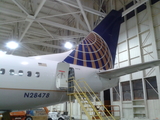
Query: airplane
<point x="34" y="82"/>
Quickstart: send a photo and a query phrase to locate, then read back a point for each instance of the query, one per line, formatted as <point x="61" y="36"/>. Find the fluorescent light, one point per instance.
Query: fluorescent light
<point x="12" y="45"/>
<point x="68" y="45"/>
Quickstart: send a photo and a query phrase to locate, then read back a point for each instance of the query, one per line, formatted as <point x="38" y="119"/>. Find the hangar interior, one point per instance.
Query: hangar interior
<point x="42" y="27"/>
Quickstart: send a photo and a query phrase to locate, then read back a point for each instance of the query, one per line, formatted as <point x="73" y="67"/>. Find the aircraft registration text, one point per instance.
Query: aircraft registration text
<point x="36" y="95"/>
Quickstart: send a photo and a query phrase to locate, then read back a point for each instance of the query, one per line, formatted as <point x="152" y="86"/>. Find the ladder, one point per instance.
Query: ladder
<point x="83" y="93"/>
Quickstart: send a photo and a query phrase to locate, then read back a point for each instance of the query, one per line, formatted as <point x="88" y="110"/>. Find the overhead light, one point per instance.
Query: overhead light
<point x="68" y="45"/>
<point x="12" y="45"/>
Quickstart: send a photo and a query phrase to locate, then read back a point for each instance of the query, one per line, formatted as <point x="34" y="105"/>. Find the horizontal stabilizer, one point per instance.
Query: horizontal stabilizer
<point x="113" y="73"/>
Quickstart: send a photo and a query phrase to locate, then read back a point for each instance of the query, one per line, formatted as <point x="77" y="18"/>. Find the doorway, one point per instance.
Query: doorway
<point x="107" y="100"/>
<point x="71" y="77"/>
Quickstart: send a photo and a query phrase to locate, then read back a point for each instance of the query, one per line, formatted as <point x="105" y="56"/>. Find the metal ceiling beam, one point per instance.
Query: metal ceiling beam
<point x="12" y="21"/>
<point x="87" y="9"/>
<point x="51" y="39"/>
<point x="5" y="17"/>
<point x="39" y="30"/>
<point x="6" y="27"/>
<point x="74" y="4"/>
<point x="61" y="26"/>
<point x="36" y="27"/>
<point x="24" y="32"/>
<point x="31" y="21"/>
<point x="46" y="30"/>
<point x="39" y="8"/>
<point x="70" y="13"/>
<point x="139" y="3"/>
<point x="84" y="15"/>
<point x="34" y="33"/>
<point x="19" y="14"/>
<point x="77" y="17"/>
<point x="4" y="34"/>
<point x="2" y="30"/>
<point x="11" y="12"/>
<point x="21" y="7"/>
<point x="3" y="37"/>
<point x="49" y="45"/>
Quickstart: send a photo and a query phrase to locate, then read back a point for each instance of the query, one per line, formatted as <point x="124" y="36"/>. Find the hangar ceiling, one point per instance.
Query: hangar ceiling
<point x="43" y="26"/>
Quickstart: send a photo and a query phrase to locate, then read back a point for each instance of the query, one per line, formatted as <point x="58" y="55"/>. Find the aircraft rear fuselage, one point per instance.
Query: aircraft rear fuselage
<point x="29" y="83"/>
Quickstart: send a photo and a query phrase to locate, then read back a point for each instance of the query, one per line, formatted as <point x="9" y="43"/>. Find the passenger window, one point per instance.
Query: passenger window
<point x="37" y="74"/>
<point x="29" y="73"/>
<point x="20" y="73"/>
<point x="2" y="71"/>
<point x="11" y="72"/>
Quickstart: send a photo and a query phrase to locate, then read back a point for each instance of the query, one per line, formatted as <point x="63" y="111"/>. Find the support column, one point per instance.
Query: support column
<point x="102" y="96"/>
<point x="141" y="61"/>
<point x="154" y="46"/>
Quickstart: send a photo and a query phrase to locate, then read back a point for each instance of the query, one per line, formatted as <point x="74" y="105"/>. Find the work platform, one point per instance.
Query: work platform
<point x="84" y="94"/>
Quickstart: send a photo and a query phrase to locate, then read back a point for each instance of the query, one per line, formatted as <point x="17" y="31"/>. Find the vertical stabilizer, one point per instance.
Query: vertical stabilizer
<point x="98" y="49"/>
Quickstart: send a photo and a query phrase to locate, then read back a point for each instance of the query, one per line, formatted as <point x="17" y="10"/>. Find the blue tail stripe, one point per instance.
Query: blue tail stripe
<point x="86" y="46"/>
<point x="79" y="62"/>
<point x="89" y="64"/>
<point x="87" y="54"/>
<point x="99" y="45"/>
<point x="101" y="60"/>
<point x="96" y="63"/>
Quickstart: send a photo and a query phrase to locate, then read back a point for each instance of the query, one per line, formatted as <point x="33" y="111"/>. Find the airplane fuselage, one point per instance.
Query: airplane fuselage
<point x="30" y="83"/>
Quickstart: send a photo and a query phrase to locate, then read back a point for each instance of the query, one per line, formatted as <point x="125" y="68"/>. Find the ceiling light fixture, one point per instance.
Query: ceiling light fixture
<point x="12" y="45"/>
<point x="68" y="45"/>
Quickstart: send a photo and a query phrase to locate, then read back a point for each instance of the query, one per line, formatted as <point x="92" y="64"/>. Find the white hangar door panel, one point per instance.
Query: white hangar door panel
<point x="62" y="75"/>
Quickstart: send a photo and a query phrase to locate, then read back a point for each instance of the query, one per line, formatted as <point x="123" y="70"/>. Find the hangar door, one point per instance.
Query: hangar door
<point x="62" y="75"/>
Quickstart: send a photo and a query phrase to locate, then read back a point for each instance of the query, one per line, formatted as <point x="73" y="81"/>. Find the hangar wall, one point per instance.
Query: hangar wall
<point x="139" y="41"/>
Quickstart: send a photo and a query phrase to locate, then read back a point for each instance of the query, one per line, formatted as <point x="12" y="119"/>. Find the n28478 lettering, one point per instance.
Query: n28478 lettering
<point x="36" y="95"/>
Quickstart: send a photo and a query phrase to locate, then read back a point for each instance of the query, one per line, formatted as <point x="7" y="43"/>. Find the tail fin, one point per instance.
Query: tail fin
<point x="98" y="49"/>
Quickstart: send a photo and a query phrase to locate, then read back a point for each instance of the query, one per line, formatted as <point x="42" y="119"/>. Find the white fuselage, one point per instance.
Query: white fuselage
<point x="30" y="83"/>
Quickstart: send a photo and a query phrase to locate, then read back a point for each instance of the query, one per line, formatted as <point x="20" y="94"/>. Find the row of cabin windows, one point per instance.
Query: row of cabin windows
<point x="20" y="72"/>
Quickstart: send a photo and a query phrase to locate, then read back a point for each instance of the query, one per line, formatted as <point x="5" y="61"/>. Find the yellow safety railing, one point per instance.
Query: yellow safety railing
<point x="102" y="108"/>
<point x="81" y="95"/>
